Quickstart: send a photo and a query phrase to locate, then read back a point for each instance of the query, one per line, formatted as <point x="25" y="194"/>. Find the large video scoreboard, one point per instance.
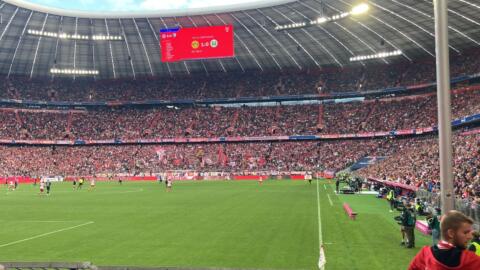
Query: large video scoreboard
<point x="179" y="44"/>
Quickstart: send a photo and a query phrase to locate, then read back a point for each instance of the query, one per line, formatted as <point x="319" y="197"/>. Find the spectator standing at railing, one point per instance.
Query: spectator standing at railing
<point x="434" y="225"/>
<point x="391" y="198"/>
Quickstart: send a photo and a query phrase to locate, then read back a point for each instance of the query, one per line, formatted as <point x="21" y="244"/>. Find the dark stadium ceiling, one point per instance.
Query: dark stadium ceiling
<point x="407" y="25"/>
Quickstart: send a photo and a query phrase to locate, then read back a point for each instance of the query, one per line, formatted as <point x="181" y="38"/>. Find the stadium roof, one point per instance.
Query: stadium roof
<point x="406" y="25"/>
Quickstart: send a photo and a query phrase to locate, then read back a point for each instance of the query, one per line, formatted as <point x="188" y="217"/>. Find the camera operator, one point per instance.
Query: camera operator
<point x="407" y="221"/>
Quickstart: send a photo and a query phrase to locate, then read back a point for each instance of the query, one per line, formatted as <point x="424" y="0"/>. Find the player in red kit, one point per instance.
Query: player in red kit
<point x="450" y="252"/>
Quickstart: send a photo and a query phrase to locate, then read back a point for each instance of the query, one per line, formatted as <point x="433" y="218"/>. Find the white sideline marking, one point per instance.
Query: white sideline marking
<point x="330" y="200"/>
<point x="45" y="234"/>
<point x="321" y="259"/>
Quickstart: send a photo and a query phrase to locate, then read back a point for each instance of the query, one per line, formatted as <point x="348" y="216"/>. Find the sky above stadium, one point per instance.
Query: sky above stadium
<point x="136" y="5"/>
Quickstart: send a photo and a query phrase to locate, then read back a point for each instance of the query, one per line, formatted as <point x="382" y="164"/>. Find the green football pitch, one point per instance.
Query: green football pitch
<point x="227" y="224"/>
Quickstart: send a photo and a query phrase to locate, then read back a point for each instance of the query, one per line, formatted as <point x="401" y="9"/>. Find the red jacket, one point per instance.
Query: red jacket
<point x="426" y="261"/>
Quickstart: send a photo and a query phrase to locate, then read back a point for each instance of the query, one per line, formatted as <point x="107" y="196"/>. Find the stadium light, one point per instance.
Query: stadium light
<point x="376" y="56"/>
<point x="74" y="71"/>
<point x="360" y="9"/>
<point x="73" y="36"/>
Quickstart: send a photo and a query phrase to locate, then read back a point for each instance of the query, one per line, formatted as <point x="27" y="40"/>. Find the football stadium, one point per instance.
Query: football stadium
<point x="287" y="134"/>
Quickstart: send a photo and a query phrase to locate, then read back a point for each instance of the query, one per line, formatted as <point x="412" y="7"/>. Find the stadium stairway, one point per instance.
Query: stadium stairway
<point x="365" y="162"/>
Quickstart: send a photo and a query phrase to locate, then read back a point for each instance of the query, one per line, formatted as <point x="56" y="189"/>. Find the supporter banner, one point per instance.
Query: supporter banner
<point x="329" y="136"/>
<point x="471" y="132"/>
<point x="114" y="178"/>
<point x="404" y="132"/>
<point x="19" y="179"/>
<point x="419" y="86"/>
<point x="325" y="174"/>
<point x="366" y="135"/>
<point x="197" y="43"/>
<point x="297" y="177"/>
<point x="53" y="178"/>
<point x="381" y="134"/>
<point x="249" y="177"/>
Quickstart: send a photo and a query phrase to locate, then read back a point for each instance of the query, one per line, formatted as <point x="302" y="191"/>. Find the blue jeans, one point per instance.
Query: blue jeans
<point x="435" y="236"/>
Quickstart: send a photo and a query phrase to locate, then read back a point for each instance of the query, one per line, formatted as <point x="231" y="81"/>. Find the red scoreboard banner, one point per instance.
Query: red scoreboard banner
<point x="196" y="43"/>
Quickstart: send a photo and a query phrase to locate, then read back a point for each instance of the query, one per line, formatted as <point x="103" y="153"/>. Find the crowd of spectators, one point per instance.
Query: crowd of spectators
<point x="416" y="163"/>
<point x="148" y="159"/>
<point x="247" y="84"/>
<point x="134" y="123"/>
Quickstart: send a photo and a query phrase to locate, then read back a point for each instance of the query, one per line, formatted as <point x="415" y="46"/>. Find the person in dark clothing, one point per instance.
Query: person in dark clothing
<point x="434" y="226"/>
<point x="48" y="186"/>
<point x="408" y="223"/>
<point x="450" y="252"/>
<point x="337" y="185"/>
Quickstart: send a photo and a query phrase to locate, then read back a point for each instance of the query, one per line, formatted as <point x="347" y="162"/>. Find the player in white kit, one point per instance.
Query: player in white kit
<point x="169" y="185"/>
<point x="11" y="185"/>
<point x="42" y="187"/>
<point x="92" y="184"/>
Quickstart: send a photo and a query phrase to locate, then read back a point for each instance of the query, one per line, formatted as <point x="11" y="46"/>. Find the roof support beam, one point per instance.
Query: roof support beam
<point x="325" y="30"/>
<point x="18" y="44"/>
<point x="259" y="42"/>
<point x="409" y="21"/>
<point x="275" y="39"/>
<point x="93" y="49"/>
<point x="310" y="36"/>
<point x="144" y="48"/>
<point x="397" y="30"/>
<point x="244" y="45"/>
<point x="292" y="38"/>
<point x="38" y="45"/>
<point x="56" y="45"/>
<point x="128" y="49"/>
<point x="450" y="27"/>
<point x="8" y="24"/>
<point x="75" y="48"/>
<point x="111" y="51"/>
<point x="352" y="34"/>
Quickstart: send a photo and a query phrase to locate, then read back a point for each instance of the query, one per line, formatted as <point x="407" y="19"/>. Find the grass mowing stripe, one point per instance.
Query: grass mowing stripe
<point x="45" y="234"/>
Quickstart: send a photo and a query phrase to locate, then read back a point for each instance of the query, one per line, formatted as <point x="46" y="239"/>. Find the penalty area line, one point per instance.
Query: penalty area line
<point x="45" y="234"/>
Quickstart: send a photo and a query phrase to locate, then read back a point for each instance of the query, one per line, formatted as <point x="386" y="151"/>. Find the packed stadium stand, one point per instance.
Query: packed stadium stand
<point x="310" y="89"/>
